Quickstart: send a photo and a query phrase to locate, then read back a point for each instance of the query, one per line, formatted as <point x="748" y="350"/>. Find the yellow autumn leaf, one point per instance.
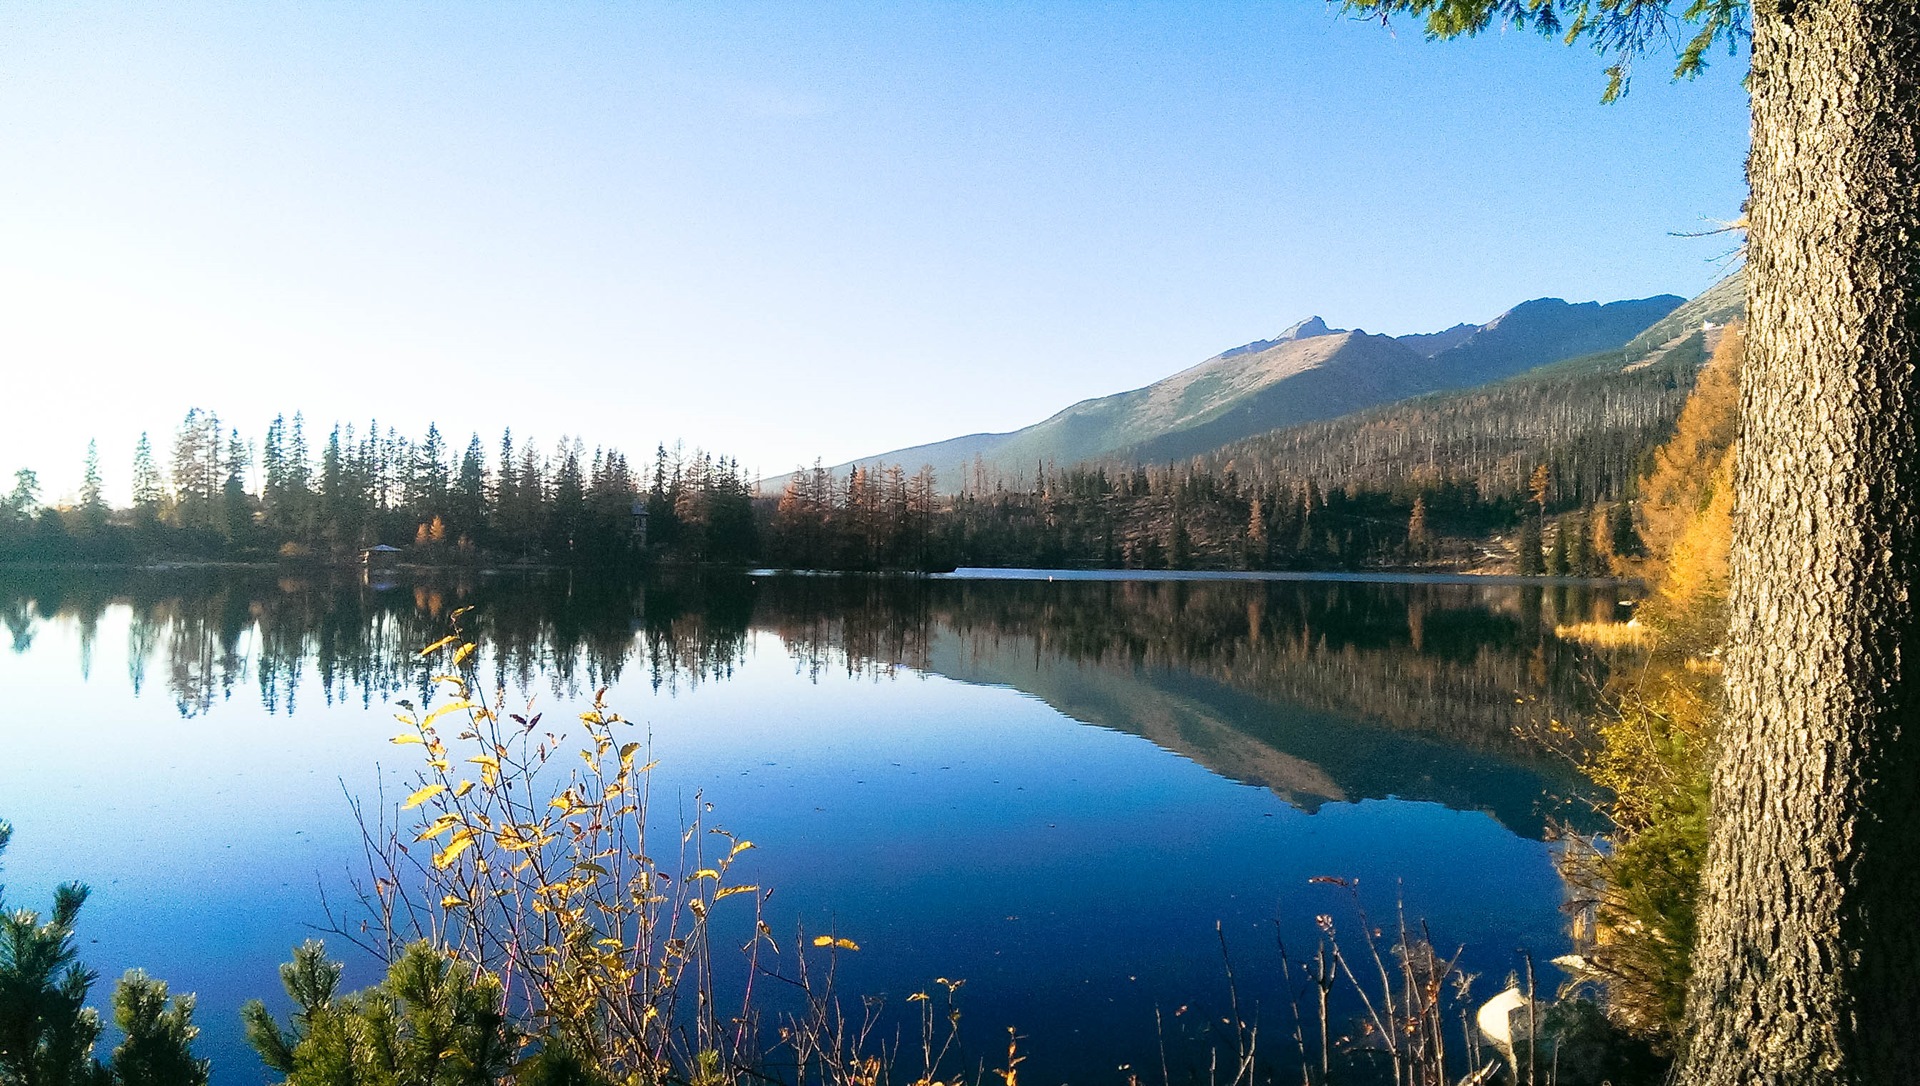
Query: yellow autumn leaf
<point x="460" y="655"/>
<point x="439" y="826"/>
<point x="461" y="842"/>
<point x="732" y="890"/>
<point x="452" y="901"/>
<point x="403" y="740"/>
<point x="463" y="788"/>
<point x="706" y="873"/>
<point x="450" y="707"/>
<point x="422" y="796"/>
<point x="437" y="646"/>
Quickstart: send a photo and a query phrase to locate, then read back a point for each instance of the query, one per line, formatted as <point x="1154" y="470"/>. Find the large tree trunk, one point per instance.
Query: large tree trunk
<point x="1807" y="968"/>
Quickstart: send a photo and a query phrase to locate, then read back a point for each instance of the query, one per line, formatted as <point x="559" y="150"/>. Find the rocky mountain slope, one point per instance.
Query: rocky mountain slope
<point x="1309" y="372"/>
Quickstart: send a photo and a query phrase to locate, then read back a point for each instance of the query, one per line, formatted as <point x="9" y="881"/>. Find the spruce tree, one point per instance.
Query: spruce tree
<point x="469" y="498"/>
<point x="236" y="508"/>
<point x="24" y="501"/>
<point x="432" y="1022"/>
<point x="197" y="474"/>
<point x="93" y="504"/>
<point x="298" y="472"/>
<point x="1530" y="563"/>
<point x="1558" y="562"/>
<point x="47" y="1031"/>
<point x="273" y="473"/>
<point x="1624" y="539"/>
<point x="148" y="489"/>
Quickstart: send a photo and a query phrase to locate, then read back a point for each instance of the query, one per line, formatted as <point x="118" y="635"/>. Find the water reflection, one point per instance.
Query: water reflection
<point x="1318" y="691"/>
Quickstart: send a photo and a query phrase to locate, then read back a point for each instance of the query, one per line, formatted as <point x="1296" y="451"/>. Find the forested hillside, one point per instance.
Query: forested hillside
<point x="1541" y="466"/>
<point x="1308" y="372"/>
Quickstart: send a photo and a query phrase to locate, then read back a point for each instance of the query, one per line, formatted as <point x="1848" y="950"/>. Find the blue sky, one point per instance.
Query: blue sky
<point x="780" y="231"/>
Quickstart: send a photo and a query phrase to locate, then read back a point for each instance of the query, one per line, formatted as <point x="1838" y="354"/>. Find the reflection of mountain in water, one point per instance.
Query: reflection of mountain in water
<point x="1317" y="691"/>
<point x="1321" y="692"/>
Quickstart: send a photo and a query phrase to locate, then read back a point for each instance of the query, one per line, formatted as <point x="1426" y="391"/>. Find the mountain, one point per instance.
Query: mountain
<point x="1309" y="372"/>
<point x="1722" y="302"/>
<point x="1593" y="417"/>
<point x="1429" y="344"/>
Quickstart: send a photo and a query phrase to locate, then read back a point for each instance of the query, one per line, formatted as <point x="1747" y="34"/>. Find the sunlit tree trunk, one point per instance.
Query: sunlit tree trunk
<point x="1807" y="969"/>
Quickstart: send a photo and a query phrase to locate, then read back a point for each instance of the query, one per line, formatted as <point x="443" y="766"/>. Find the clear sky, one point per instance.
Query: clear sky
<point x="780" y="230"/>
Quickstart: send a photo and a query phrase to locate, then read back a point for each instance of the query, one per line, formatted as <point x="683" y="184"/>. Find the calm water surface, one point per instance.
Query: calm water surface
<point x="1052" y="790"/>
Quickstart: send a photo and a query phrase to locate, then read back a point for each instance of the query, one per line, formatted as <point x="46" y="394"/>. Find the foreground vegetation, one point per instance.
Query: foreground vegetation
<point x="1656" y="749"/>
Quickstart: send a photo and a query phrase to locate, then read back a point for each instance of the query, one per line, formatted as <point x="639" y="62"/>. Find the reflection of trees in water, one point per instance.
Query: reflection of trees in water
<point x="295" y="636"/>
<point x="853" y="625"/>
<point x="21" y="623"/>
<point x="1472" y="666"/>
<point x="1466" y="664"/>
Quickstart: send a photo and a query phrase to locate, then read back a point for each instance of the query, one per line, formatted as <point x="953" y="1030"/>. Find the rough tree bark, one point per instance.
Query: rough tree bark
<point x="1808" y="963"/>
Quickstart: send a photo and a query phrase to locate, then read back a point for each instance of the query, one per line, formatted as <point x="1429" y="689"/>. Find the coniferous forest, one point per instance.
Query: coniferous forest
<point x="1536" y="474"/>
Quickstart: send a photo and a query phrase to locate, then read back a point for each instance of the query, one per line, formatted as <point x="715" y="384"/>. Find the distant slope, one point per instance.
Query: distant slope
<point x="1593" y="416"/>
<point x="1307" y="373"/>
<point x="1722" y="302"/>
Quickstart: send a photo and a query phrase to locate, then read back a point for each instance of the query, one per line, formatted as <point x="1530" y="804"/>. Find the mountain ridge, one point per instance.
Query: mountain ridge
<point x="1310" y="371"/>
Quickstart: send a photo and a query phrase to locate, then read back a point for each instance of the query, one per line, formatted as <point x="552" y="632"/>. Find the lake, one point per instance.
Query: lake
<point x="1052" y="788"/>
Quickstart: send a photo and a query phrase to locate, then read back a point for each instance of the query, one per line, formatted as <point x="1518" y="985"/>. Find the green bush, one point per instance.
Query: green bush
<point x="432" y="1022"/>
<point x="47" y="1031"/>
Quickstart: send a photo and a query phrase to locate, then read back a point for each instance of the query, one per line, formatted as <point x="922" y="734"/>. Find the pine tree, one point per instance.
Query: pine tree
<point x="506" y="487"/>
<point x="429" y="478"/>
<point x="1580" y="551"/>
<point x="569" y="497"/>
<point x="469" y="498"/>
<point x="47" y="1031"/>
<point x="197" y="474"/>
<point x="93" y="505"/>
<point x="148" y="490"/>
<point x="431" y="1022"/>
<point x="1529" y="546"/>
<point x="24" y="501"/>
<point x="297" y="469"/>
<point x="1623" y="539"/>
<point x="236" y="509"/>
<point x="1179" y="543"/>
<point x="273" y="473"/>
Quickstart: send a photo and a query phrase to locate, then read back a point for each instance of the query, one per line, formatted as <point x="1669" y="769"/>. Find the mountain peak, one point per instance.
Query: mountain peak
<point x="1306" y="329"/>
<point x="1306" y="373"/>
<point x="1311" y="328"/>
